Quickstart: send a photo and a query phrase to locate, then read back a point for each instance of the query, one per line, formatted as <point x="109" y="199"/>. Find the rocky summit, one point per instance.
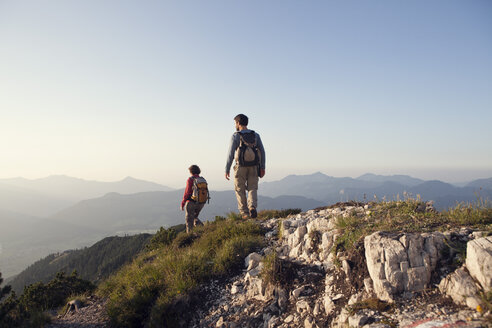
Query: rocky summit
<point x="310" y="274"/>
<point x="392" y="280"/>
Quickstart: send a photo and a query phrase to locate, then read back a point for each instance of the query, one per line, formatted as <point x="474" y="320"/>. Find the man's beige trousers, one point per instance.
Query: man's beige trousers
<point x="246" y="179"/>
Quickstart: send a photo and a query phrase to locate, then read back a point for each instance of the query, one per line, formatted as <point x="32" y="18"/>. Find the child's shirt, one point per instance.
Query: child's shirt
<point x="189" y="189"/>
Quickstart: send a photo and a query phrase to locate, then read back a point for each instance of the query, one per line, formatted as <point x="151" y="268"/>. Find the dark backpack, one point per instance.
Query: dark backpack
<point x="200" y="190"/>
<point x="249" y="154"/>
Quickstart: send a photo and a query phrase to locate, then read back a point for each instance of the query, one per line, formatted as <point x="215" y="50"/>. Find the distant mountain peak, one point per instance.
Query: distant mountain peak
<point x="367" y="175"/>
<point x="398" y="178"/>
<point x="111" y="195"/>
<point x="315" y="174"/>
<point x="60" y="176"/>
<point x="481" y="183"/>
<point x="372" y="175"/>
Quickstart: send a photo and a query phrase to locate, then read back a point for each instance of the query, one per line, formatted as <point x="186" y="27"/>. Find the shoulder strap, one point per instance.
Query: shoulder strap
<point x="243" y="141"/>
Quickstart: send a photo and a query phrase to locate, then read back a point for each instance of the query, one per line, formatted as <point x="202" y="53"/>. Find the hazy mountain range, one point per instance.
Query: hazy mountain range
<point x="329" y="189"/>
<point x="481" y="183"/>
<point x="48" y="195"/>
<point x="26" y="238"/>
<point x="39" y="217"/>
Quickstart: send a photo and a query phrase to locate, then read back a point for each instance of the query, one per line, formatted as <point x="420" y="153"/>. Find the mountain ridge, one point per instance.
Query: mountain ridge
<point x="368" y="186"/>
<point x="48" y="195"/>
<point x="58" y="184"/>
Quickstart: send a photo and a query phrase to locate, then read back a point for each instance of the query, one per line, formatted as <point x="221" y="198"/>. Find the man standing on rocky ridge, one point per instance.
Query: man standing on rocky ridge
<point x="247" y="149"/>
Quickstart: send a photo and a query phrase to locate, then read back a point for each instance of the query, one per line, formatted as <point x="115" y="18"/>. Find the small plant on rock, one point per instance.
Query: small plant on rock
<point x="270" y="214"/>
<point x="371" y="304"/>
<point x="272" y="269"/>
<point x="315" y="237"/>
<point x="276" y="271"/>
<point x="280" y="229"/>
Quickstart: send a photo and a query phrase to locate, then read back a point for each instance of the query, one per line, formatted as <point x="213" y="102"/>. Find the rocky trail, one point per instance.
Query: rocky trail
<point x="92" y="314"/>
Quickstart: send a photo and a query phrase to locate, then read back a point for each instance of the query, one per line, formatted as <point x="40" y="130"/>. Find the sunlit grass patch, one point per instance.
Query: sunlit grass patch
<point x="270" y="214"/>
<point x="479" y="213"/>
<point x="147" y="290"/>
<point x="409" y="215"/>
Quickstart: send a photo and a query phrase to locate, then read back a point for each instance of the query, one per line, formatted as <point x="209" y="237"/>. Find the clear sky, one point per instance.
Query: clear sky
<point x="102" y="90"/>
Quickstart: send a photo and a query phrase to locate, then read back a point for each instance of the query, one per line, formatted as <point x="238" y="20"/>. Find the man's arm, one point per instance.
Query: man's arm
<point x="262" y="156"/>
<point x="262" y="152"/>
<point x="230" y="156"/>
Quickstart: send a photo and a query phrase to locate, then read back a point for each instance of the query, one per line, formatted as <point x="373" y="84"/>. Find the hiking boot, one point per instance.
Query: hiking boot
<point x="253" y="213"/>
<point x="245" y="216"/>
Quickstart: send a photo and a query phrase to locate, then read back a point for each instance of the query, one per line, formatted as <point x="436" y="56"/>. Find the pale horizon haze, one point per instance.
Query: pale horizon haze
<point x="101" y="90"/>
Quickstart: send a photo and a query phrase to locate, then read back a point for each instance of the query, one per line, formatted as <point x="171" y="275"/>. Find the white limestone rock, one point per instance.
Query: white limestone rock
<point x="320" y="224"/>
<point x="316" y="310"/>
<point x="309" y="322"/>
<point x="273" y="322"/>
<point x="297" y="292"/>
<point x="220" y="323"/>
<point x="357" y="320"/>
<point x="296" y="251"/>
<point x="252" y="260"/>
<point x="289" y="319"/>
<point x="326" y="244"/>
<point x="479" y="261"/>
<point x="254" y="273"/>
<point x="460" y="286"/>
<point x="368" y="286"/>
<point x="297" y="236"/>
<point x="234" y="289"/>
<point x="342" y="317"/>
<point x="402" y="263"/>
<point x="257" y="289"/>
<point x="302" y="306"/>
<point x="479" y="234"/>
<point x="282" y="299"/>
<point x="329" y="305"/>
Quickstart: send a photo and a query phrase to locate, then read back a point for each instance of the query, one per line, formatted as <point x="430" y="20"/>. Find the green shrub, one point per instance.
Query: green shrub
<point x="27" y="310"/>
<point x="162" y="238"/>
<point x="43" y="297"/>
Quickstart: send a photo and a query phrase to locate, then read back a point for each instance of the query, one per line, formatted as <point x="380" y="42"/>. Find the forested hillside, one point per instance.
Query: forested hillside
<point x="92" y="263"/>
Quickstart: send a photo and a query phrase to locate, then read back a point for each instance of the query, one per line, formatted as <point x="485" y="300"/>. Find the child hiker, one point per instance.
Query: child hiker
<point x="194" y="198"/>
